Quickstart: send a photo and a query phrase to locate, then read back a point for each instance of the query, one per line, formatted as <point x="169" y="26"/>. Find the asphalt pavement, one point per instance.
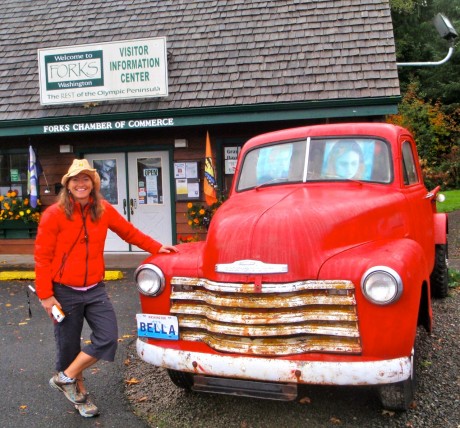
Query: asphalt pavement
<point x="27" y="358"/>
<point x="27" y="352"/>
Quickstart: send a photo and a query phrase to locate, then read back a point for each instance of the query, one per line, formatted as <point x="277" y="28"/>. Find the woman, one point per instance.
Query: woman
<point x="346" y="160"/>
<point x="69" y="271"/>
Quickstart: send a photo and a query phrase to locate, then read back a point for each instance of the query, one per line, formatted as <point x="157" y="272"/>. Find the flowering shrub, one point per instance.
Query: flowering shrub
<point x="183" y="239"/>
<point x="199" y="217"/>
<point x="13" y="207"/>
<point x="446" y="174"/>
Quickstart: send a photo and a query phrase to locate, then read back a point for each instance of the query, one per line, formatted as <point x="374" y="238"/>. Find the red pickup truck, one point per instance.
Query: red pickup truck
<point x="318" y="269"/>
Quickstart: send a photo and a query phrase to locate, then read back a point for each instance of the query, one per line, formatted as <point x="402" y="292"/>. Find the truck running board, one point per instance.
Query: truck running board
<point x="245" y="388"/>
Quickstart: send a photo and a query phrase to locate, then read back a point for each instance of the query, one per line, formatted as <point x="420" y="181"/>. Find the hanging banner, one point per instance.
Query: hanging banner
<point x="102" y="72"/>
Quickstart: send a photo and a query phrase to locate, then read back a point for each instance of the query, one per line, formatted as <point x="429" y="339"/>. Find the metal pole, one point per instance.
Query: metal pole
<point x="427" y="64"/>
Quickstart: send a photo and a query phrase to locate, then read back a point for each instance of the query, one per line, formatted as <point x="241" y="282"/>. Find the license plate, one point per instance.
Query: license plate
<point x="157" y="326"/>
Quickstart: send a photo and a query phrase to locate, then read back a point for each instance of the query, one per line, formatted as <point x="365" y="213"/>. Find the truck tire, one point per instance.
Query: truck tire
<point x="399" y="395"/>
<point x="439" y="277"/>
<point x="181" y="379"/>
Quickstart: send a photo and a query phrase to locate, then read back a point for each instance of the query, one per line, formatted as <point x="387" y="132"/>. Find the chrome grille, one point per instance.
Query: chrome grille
<point x="267" y="319"/>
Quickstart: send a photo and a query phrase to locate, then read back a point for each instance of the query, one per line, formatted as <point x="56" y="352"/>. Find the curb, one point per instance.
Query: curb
<point x="110" y="275"/>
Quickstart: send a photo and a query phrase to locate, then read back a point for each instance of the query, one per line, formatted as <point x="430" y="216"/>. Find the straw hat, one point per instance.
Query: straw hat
<point x="82" y="165"/>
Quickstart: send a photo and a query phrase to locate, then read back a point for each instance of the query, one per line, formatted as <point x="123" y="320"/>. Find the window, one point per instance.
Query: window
<point x="409" y="168"/>
<point x="328" y="159"/>
<point x="229" y="152"/>
<point x="13" y="172"/>
<point x="149" y="179"/>
<point x="107" y="170"/>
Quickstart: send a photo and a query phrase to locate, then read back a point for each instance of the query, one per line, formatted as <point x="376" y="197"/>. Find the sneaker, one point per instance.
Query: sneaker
<point x="87" y="409"/>
<point x="68" y="388"/>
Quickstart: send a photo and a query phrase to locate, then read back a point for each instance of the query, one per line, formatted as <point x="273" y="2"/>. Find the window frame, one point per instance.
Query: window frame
<point x="22" y="184"/>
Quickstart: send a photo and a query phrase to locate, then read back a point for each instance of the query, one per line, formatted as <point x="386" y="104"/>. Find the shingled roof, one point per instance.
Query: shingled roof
<point x="221" y="52"/>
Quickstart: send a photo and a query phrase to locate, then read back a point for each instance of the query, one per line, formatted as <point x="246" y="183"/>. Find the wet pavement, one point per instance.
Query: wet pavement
<point x="27" y="359"/>
<point x="27" y="348"/>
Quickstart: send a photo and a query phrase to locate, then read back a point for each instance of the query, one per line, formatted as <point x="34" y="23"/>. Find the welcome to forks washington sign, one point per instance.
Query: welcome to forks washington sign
<point x="105" y="71"/>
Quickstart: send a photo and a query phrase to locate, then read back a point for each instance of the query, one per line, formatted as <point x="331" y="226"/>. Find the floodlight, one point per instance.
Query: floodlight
<point x="447" y="31"/>
<point x="444" y="27"/>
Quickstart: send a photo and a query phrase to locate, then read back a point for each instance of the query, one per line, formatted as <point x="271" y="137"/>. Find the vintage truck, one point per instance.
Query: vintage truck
<point x="318" y="269"/>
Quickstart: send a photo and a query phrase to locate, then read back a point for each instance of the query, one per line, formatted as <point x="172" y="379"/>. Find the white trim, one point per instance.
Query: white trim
<point x="251" y="267"/>
<point x="278" y="370"/>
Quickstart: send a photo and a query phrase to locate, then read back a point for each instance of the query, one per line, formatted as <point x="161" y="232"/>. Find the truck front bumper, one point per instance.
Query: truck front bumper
<point x="278" y="370"/>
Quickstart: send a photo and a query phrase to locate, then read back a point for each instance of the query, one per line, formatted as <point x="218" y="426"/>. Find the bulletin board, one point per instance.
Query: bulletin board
<point x="186" y="178"/>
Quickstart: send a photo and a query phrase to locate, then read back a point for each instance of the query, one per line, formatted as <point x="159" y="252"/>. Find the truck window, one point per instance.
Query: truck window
<point x="327" y="159"/>
<point x="409" y="168"/>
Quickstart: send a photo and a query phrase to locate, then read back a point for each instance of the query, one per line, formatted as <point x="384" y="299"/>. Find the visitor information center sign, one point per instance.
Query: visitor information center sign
<point x="105" y="71"/>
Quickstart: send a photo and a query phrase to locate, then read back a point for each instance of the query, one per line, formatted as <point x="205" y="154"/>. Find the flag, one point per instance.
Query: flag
<point x="210" y="182"/>
<point x="32" y="182"/>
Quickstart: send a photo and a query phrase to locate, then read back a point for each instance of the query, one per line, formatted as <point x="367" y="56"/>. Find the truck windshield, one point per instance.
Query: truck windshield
<point x="331" y="159"/>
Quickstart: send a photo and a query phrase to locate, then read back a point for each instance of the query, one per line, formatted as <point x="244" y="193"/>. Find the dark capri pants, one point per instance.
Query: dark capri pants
<point x="93" y="305"/>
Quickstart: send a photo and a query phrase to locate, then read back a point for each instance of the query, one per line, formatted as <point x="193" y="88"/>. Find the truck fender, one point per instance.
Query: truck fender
<point x="397" y="321"/>
<point x="440" y="228"/>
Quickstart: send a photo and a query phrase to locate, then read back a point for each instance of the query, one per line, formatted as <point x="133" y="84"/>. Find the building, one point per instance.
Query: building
<point x="231" y="68"/>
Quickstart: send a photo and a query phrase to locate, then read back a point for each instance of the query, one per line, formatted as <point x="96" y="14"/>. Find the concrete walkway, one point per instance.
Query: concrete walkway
<point x="21" y="266"/>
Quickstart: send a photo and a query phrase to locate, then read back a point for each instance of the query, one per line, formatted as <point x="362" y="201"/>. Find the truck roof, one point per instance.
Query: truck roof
<point x="387" y="131"/>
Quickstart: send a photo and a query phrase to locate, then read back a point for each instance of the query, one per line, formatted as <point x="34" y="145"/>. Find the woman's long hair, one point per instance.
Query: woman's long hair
<point x="66" y="201"/>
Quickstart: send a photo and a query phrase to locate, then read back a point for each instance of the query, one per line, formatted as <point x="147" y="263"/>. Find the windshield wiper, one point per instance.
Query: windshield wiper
<point x="272" y="181"/>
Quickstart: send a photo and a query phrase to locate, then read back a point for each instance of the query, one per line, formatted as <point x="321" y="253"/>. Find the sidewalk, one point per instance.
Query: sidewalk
<point x="21" y="266"/>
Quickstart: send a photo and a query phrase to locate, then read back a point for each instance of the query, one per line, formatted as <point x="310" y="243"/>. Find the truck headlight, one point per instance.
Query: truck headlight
<point x="149" y="280"/>
<point x="381" y="285"/>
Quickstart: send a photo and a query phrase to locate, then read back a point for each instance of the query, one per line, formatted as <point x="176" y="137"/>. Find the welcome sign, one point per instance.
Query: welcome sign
<point x="106" y="71"/>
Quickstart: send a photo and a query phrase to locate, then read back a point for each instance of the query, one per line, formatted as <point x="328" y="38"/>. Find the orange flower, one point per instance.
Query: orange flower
<point x="13" y="207"/>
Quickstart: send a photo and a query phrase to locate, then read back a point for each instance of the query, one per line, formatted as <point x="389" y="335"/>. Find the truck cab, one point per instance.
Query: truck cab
<point x="317" y="269"/>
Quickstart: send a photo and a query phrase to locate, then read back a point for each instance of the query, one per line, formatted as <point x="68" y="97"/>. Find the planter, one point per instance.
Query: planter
<point x="17" y="229"/>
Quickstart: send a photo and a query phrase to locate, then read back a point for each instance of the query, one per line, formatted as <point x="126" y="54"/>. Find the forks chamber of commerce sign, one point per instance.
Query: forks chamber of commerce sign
<point x="105" y="71"/>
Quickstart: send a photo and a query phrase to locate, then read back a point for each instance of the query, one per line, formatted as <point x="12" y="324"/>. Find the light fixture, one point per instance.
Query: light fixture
<point x="47" y="189"/>
<point x="65" y="148"/>
<point x="180" y="143"/>
<point x="444" y="27"/>
<point x="447" y="31"/>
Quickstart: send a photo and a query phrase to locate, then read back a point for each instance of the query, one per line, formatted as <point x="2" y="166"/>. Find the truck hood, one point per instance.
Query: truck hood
<point x="299" y="226"/>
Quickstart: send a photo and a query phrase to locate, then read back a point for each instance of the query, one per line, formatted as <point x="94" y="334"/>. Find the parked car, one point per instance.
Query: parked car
<point x="318" y="269"/>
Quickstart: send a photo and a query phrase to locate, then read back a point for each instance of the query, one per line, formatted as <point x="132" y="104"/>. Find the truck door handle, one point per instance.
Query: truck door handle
<point x="124" y="206"/>
<point x="131" y="204"/>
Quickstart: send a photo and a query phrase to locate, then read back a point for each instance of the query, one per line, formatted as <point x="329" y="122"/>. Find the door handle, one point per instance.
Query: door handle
<point x="131" y="205"/>
<point x="124" y="206"/>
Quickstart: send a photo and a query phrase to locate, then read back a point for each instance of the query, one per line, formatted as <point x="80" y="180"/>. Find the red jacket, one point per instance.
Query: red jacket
<point x="62" y="254"/>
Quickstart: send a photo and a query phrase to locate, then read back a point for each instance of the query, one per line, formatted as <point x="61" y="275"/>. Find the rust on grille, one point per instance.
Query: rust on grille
<point x="275" y="319"/>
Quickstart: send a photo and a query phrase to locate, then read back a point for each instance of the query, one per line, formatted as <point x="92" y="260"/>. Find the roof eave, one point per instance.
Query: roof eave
<point x="252" y="113"/>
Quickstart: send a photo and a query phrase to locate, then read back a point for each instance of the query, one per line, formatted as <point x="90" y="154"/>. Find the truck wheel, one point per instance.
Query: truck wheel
<point x="439" y="277"/>
<point x="399" y="395"/>
<point x="181" y="379"/>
